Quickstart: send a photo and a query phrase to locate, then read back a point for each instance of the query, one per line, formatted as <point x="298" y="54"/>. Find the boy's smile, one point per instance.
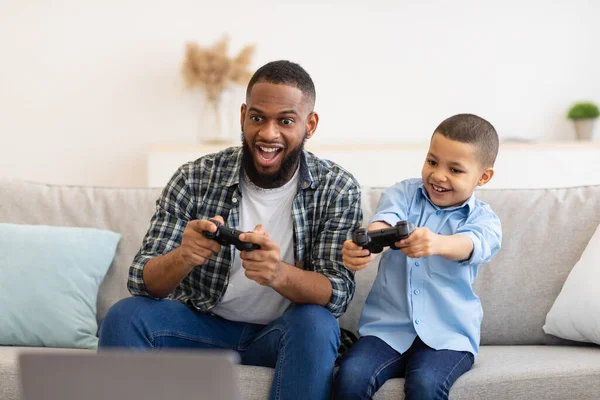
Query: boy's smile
<point x="452" y="171"/>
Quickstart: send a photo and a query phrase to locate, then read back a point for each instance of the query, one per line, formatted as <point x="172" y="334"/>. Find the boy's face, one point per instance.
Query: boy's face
<point x="452" y="171"/>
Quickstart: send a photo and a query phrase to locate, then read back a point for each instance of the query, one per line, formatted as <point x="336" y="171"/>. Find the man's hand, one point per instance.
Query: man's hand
<point x="163" y="273"/>
<point x="195" y="248"/>
<point x="355" y="257"/>
<point x="421" y="243"/>
<point x="264" y="265"/>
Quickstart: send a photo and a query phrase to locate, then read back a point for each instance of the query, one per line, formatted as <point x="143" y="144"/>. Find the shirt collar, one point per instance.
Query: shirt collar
<point x="469" y="203"/>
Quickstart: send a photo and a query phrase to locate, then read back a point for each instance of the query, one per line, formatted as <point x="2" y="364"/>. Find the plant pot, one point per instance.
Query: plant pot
<point x="584" y="128"/>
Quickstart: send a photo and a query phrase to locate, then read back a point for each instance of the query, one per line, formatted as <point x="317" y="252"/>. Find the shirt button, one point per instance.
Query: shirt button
<point x="417" y="321"/>
<point x="438" y="212"/>
<point x="417" y="264"/>
<point x="234" y="200"/>
<point x="416" y="291"/>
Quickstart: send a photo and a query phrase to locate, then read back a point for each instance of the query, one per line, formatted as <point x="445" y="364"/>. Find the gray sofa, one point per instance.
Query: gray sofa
<point x="545" y="232"/>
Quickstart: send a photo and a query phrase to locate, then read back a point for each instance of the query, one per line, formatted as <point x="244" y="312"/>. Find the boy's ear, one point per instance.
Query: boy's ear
<point x="485" y="176"/>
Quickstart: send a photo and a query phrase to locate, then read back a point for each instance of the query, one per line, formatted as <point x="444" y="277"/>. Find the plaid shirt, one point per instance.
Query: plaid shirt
<point x="326" y="210"/>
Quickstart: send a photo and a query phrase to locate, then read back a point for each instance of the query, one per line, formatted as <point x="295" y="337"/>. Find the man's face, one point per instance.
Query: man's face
<point x="452" y="171"/>
<point x="276" y="121"/>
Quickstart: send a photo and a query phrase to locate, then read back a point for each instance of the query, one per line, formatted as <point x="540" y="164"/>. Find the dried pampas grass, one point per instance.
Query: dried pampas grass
<point x="210" y="69"/>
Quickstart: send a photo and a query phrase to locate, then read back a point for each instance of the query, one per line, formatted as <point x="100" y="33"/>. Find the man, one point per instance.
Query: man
<point x="276" y="306"/>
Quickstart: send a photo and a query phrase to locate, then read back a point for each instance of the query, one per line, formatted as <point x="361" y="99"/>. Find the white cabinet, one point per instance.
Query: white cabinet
<point x="519" y="165"/>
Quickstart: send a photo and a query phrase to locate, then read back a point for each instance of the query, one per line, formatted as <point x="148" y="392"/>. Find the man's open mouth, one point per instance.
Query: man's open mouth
<point x="268" y="154"/>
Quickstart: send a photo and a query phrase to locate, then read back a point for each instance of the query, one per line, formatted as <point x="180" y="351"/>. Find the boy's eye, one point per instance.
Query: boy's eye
<point x="287" y="121"/>
<point x="432" y="163"/>
<point x="456" y="171"/>
<point x="256" y="118"/>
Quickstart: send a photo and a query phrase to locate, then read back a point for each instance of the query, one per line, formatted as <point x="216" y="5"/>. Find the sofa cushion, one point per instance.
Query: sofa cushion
<point x="575" y="314"/>
<point x="125" y="211"/>
<point x="49" y="278"/>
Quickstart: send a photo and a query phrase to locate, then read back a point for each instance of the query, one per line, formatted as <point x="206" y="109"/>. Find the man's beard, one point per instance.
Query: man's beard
<point x="275" y="179"/>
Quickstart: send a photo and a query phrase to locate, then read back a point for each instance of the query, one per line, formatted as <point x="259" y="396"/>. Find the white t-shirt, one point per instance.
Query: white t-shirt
<point x="244" y="299"/>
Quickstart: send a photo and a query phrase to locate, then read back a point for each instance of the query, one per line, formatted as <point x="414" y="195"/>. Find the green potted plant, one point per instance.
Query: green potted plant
<point x="584" y="117"/>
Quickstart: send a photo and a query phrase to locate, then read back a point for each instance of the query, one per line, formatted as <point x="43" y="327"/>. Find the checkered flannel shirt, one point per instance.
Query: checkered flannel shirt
<point x="326" y="210"/>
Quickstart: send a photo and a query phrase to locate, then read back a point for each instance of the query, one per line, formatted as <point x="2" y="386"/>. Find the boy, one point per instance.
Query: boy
<point x="422" y="319"/>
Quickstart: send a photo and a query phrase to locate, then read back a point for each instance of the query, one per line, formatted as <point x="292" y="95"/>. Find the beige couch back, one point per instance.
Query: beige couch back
<point x="545" y="232"/>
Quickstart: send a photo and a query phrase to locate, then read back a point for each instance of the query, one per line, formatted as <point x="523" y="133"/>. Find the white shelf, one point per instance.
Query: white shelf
<point x="519" y="165"/>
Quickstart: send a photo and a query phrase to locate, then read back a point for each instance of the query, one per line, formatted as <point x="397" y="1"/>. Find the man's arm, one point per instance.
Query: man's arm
<point x="342" y="217"/>
<point x="159" y="265"/>
<point x="265" y="267"/>
<point x="303" y="287"/>
<point x="162" y="274"/>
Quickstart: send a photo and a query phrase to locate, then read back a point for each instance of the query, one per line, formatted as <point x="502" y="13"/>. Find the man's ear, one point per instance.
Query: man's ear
<point x="485" y="176"/>
<point x="242" y="116"/>
<point x="311" y="124"/>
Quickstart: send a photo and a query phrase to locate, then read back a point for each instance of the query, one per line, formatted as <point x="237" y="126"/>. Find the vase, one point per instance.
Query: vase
<point x="220" y="117"/>
<point x="584" y="128"/>
<point x="210" y="122"/>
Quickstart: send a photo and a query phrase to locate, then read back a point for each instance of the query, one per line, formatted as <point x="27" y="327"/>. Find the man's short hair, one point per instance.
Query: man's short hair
<point x="285" y="73"/>
<point x="469" y="128"/>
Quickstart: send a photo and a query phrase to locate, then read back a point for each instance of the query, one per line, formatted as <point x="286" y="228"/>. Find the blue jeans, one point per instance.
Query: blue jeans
<point x="301" y="345"/>
<point x="428" y="373"/>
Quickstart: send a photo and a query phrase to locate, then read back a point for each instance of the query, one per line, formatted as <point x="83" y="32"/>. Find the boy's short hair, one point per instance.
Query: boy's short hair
<point x="469" y="128"/>
<point x="286" y="73"/>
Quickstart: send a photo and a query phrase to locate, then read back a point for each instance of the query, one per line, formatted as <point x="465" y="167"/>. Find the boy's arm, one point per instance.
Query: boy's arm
<point x="476" y="242"/>
<point x="422" y="243"/>
<point x="392" y="205"/>
<point x="456" y="247"/>
<point x="484" y="230"/>
<point x="378" y="225"/>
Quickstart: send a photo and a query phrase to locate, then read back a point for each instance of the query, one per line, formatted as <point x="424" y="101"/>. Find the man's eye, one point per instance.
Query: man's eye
<point x="432" y="163"/>
<point x="256" y="118"/>
<point x="287" y="121"/>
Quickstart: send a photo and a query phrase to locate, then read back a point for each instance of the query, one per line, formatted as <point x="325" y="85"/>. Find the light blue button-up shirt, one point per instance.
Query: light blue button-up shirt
<point x="431" y="297"/>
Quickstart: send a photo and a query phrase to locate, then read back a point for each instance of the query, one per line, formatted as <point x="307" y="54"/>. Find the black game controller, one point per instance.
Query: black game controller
<point x="226" y="236"/>
<point x="377" y="239"/>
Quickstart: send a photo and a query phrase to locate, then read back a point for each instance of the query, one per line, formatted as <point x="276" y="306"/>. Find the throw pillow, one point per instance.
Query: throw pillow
<point x="575" y="314"/>
<point x="49" y="279"/>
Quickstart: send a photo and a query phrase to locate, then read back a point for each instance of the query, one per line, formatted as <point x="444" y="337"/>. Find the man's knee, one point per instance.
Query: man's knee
<point x="119" y="320"/>
<point x="313" y="321"/>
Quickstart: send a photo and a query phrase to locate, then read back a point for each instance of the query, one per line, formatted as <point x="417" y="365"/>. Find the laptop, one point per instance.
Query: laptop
<point x="126" y="375"/>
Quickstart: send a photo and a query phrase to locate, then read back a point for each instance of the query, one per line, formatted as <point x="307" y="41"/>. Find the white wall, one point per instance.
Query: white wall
<point x="86" y="87"/>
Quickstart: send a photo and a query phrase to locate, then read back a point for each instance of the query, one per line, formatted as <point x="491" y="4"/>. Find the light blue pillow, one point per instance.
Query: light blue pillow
<point x="49" y="279"/>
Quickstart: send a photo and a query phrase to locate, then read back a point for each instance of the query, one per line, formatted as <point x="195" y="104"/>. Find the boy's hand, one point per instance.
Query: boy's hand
<point x="355" y="257"/>
<point x="421" y="243"/>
